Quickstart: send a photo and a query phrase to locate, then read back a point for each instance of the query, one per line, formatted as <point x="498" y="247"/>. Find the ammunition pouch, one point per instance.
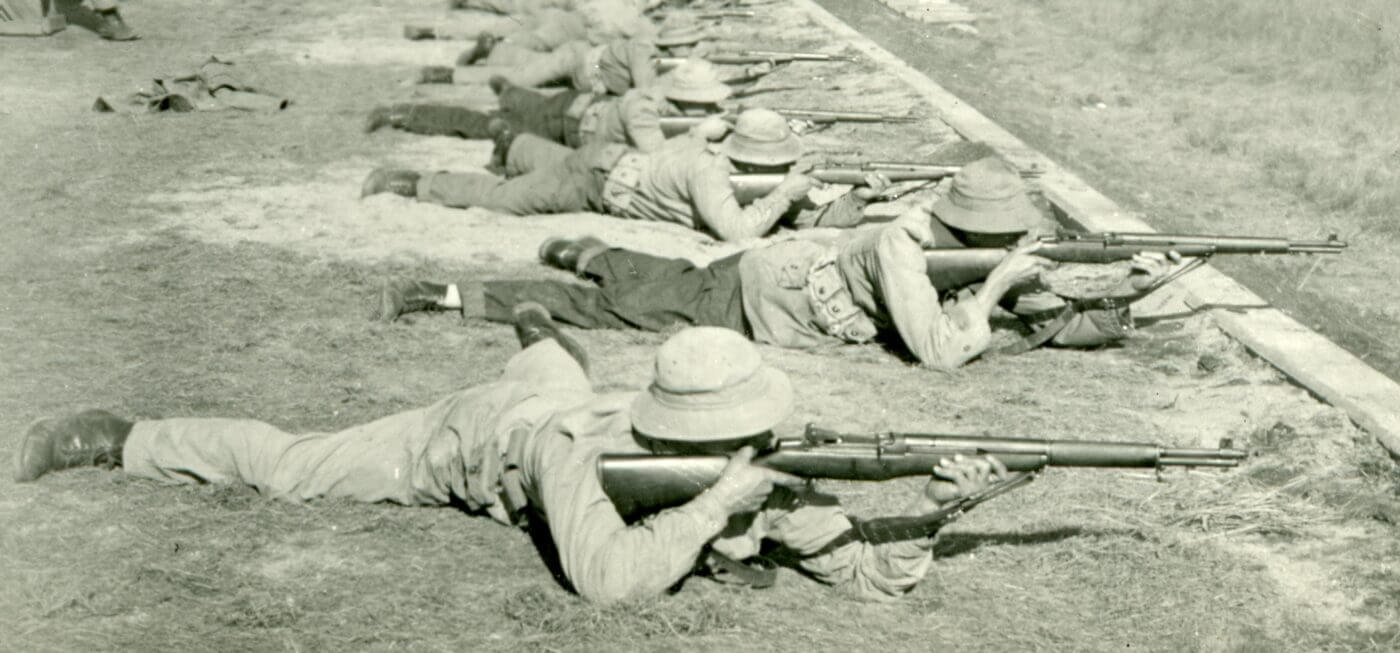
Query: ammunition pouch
<point x="832" y="304"/>
<point x="622" y="182"/>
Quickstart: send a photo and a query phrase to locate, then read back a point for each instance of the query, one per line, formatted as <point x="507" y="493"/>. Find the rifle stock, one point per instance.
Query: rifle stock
<point x="641" y="484"/>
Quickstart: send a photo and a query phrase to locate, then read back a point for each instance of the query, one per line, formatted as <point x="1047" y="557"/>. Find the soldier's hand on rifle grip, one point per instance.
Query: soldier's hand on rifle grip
<point x="743" y="487"/>
<point x="712" y="128"/>
<point x="876" y="183"/>
<point x="1151" y="266"/>
<point x="1021" y="265"/>
<point x="796" y="184"/>
<point x="961" y="476"/>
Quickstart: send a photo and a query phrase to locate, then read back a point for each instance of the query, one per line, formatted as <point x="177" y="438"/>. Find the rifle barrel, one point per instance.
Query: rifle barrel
<point x="643" y="483"/>
<point x="1214" y="244"/>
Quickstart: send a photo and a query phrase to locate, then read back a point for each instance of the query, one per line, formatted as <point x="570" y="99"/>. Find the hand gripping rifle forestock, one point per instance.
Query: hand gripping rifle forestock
<point x="955" y="268"/>
<point x="642" y="484"/>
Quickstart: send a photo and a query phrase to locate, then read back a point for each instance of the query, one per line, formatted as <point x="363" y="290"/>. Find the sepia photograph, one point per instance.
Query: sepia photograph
<point x="700" y="325"/>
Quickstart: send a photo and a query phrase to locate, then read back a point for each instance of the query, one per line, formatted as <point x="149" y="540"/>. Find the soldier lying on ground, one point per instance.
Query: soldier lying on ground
<point x="803" y="293"/>
<point x="545" y="28"/>
<point x="685" y="182"/>
<point x="607" y="68"/>
<point x="528" y="444"/>
<point x="573" y="118"/>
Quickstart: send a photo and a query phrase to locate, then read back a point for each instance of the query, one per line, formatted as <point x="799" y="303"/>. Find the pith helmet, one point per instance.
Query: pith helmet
<point x="711" y="384"/>
<point x="694" y="80"/>
<point x="987" y="197"/>
<point x="762" y="137"/>
<point x="681" y="29"/>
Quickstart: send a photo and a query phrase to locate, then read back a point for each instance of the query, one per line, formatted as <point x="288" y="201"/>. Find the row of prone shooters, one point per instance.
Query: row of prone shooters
<point x="642" y="129"/>
<point x="662" y="104"/>
<point x="639" y="490"/>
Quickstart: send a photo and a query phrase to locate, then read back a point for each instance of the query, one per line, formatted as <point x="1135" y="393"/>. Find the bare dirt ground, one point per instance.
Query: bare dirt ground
<point x="219" y="264"/>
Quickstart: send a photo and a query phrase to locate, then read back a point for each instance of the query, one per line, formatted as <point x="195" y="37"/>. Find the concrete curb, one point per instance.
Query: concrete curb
<point x="1370" y="398"/>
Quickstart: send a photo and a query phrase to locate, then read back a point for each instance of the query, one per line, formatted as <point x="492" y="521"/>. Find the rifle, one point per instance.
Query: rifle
<point x="955" y="268"/>
<point x="642" y="484"/>
<point x="724" y="13"/>
<point x="749" y="187"/>
<point x="746" y="57"/>
<point x="675" y="125"/>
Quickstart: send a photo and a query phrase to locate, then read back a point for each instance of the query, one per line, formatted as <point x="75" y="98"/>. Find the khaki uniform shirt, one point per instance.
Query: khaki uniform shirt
<point x="687" y="182"/>
<point x="633" y="119"/>
<point x="617" y="66"/>
<point x="883" y="282"/>
<point x="607" y="560"/>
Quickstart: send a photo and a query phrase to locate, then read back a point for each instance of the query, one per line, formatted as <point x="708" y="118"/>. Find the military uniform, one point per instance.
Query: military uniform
<point x="685" y="182"/>
<point x="577" y="118"/>
<point x="527" y="441"/>
<point x="797" y="293"/>
<point x="605" y="69"/>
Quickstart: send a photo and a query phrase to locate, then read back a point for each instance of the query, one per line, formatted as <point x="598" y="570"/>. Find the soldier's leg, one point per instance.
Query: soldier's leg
<point x="433" y="119"/>
<point x="536" y="113"/>
<point x="545" y="191"/>
<point x="551" y="28"/>
<point x="540" y="69"/>
<point x="689" y="296"/>
<point x="529" y="153"/>
<point x="618" y="265"/>
<point x="370" y="462"/>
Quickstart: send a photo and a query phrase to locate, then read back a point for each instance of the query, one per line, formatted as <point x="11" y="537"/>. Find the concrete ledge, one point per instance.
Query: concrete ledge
<point x="1370" y="398"/>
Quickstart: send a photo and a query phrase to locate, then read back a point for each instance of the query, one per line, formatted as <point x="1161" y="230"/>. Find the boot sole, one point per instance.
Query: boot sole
<point x="35" y="455"/>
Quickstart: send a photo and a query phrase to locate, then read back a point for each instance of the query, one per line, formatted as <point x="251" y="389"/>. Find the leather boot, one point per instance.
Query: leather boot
<point x="435" y="75"/>
<point x="398" y="296"/>
<point x="388" y="116"/>
<point x="498" y="84"/>
<point x="419" y="33"/>
<point x="92" y="437"/>
<point x="533" y="323"/>
<point x="391" y="180"/>
<point x="485" y="43"/>
<point x="110" y="26"/>
<point x="502" y="136"/>
<point x="570" y="254"/>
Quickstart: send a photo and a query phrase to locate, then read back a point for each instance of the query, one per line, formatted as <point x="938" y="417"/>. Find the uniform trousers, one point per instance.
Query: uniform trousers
<point x="417" y="457"/>
<point x="633" y="291"/>
<point x="549" y="178"/>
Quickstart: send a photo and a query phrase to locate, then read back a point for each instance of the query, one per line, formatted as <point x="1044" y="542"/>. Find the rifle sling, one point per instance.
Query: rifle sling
<point x="728" y="570"/>
<point x="1061" y="320"/>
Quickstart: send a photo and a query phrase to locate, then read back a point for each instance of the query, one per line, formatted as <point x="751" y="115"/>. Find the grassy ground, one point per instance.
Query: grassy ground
<point x="1260" y="117"/>
<point x="121" y="291"/>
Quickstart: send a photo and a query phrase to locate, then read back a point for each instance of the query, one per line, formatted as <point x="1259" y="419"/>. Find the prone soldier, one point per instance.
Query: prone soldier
<point x="802" y="293"/>
<point x="527" y="445"/>
<point x="685" y="182"/>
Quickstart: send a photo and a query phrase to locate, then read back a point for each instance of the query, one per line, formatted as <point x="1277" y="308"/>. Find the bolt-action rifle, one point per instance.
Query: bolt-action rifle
<point x="642" y="484"/>
<point x="724" y="13"/>
<point x="676" y="125"/>
<point x="955" y="268"/>
<point x="747" y="57"/>
<point x="749" y="187"/>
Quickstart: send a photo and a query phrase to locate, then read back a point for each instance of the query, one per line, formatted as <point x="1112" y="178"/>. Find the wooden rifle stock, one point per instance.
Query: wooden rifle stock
<point x="749" y="187"/>
<point x="642" y="484"/>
